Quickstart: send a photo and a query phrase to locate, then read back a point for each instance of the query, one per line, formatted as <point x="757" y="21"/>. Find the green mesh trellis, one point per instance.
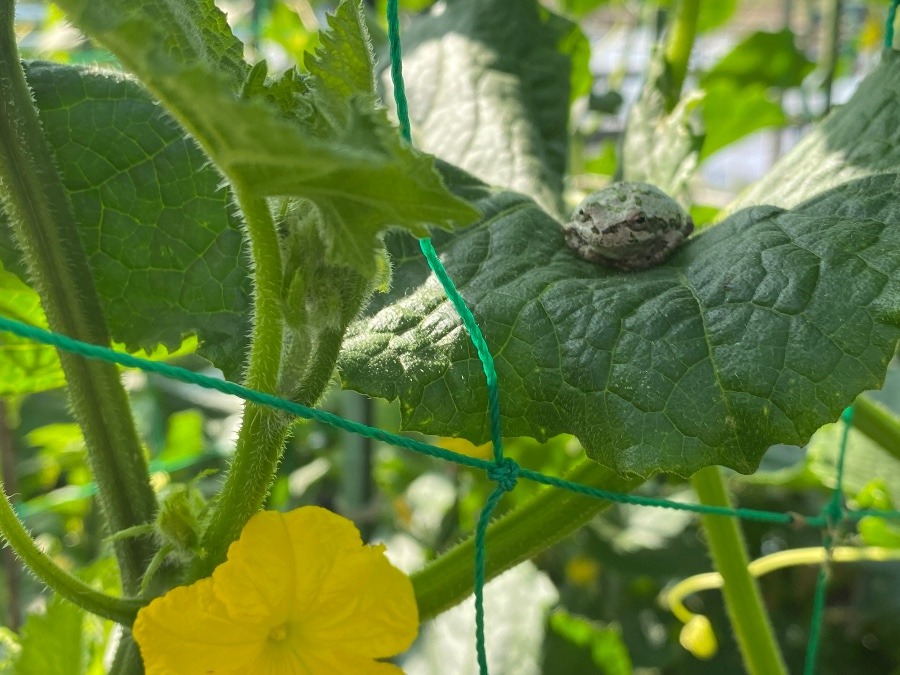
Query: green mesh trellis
<point x="504" y="471"/>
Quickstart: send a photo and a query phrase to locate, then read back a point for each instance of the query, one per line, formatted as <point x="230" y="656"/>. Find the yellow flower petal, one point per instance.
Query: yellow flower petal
<point x="350" y="610"/>
<point x="187" y="631"/>
<point x="344" y="663"/>
<point x="464" y="447"/>
<point x="299" y="593"/>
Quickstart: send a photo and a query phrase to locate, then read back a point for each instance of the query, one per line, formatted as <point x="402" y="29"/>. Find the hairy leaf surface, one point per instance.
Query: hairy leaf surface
<point x="488" y="86"/>
<point x="160" y="231"/>
<point x="333" y="148"/>
<point x="758" y="331"/>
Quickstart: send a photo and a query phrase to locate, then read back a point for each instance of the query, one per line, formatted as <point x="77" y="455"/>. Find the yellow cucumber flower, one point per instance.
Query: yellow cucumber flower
<point x="298" y="594"/>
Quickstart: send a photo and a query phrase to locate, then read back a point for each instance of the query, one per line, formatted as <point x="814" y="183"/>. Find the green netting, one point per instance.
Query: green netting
<point x="504" y="471"/>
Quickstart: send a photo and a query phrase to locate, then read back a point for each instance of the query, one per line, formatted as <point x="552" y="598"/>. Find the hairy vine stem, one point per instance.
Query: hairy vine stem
<point x="263" y="431"/>
<point x="37" y="205"/>
<point x="121" y="610"/>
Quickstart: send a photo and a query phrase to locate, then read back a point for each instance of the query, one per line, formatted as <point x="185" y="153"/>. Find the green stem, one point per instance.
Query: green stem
<point x="127" y="660"/>
<point x="878" y="423"/>
<point x="122" y="610"/>
<point x="742" y="597"/>
<point x="680" y="43"/>
<point x="263" y="432"/>
<point x="11" y="567"/>
<point x="830" y="47"/>
<point x="516" y="537"/>
<point x="45" y="231"/>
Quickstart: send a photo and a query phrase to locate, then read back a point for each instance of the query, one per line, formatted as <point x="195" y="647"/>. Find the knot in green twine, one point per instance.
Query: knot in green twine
<point x="505" y="473"/>
<point x="832" y="514"/>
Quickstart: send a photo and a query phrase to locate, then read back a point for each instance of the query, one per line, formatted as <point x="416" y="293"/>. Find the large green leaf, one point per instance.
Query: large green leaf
<point x="335" y="149"/>
<point x="758" y="331"/>
<point x="861" y="138"/>
<point x="25" y="366"/>
<point x="162" y="239"/>
<point x="488" y="87"/>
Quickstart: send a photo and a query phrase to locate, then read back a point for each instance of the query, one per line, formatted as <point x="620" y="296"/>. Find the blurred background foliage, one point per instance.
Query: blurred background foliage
<point x="767" y="70"/>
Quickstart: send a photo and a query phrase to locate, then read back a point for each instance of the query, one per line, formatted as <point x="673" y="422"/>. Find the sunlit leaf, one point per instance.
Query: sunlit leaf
<point x="860" y="138"/>
<point x="768" y="59"/>
<point x="731" y="112"/>
<point x="488" y="83"/>
<point x="25" y="367"/>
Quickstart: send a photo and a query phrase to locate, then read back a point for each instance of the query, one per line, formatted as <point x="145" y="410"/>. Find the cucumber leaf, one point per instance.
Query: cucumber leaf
<point x="860" y="138"/>
<point x="161" y="235"/>
<point x="758" y="331"/>
<point x="332" y="148"/>
<point x="489" y="85"/>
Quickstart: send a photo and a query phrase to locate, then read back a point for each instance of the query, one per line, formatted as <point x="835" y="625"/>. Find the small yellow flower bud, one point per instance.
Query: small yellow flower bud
<point x="698" y="637"/>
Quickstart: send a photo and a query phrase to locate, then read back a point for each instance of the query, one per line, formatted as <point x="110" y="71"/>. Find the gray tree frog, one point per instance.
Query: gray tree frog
<point x="628" y="226"/>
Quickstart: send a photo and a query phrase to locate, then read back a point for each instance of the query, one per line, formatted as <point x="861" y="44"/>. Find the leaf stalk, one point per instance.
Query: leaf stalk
<point x="263" y="431"/>
<point x="878" y="423"/>
<point x="45" y="231"/>
<point x="121" y="610"/>
<point x="680" y="44"/>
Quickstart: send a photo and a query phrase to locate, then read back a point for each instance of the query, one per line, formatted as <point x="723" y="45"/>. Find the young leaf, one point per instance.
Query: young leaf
<point x="160" y="232"/>
<point x="342" y="154"/>
<point x="489" y="91"/>
<point x="731" y="113"/>
<point x="662" y="139"/>
<point x="861" y="138"/>
<point x="758" y="331"/>
<point x="147" y="34"/>
<point x="770" y="59"/>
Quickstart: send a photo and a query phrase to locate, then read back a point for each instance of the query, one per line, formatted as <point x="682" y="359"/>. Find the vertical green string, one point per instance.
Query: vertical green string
<point x="833" y="515"/>
<point x="475" y="334"/>
<point x="480" y="534"/>
<point x="889" y="26"/>
<point x="505" y="471"/>
<point x="393" y="19"/>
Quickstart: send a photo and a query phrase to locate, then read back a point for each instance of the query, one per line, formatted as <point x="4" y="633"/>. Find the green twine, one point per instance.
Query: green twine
<point x="815" y="631"/>
<point x="477" y="338"/>
<point x="834" y="513"/>
<point x="397" y="69"/>
<point x="472" y="328"/>
<point x="503" y="471"/>
<point x="889" y="27"/>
